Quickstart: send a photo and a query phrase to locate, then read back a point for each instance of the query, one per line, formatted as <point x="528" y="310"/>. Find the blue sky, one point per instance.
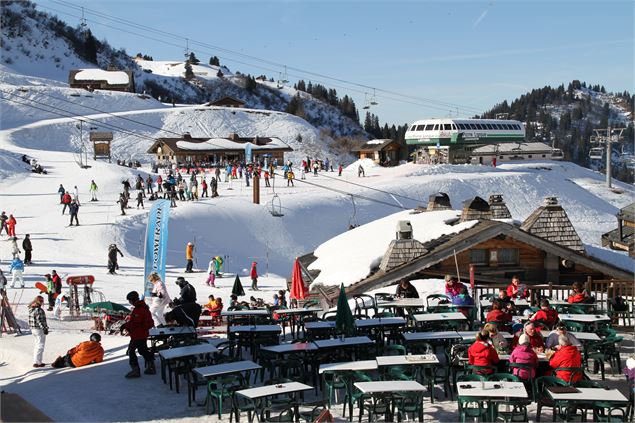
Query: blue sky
<point x="424" y="53"/>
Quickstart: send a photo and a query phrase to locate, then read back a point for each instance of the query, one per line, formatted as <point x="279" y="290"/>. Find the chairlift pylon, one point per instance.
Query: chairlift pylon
<point x="275" y="206"/>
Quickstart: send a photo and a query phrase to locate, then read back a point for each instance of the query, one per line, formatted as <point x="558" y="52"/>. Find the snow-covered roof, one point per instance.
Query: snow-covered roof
<point x="349" y="257"/>
<point x="529" y="147"/>
<point x="226" y="144"/>
<point x="112" y="77"/>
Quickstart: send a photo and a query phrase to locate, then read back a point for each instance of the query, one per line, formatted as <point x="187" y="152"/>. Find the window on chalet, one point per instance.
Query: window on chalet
<point x="479" y="257"/>
<point x="508" y="256"/>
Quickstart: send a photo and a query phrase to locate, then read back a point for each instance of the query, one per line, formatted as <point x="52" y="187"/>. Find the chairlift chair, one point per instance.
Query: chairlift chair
<point x="373" y="99"/>
<point x="275" y="207"/>
<point x="366" y="102"/>
<point x="596" y="153"/>
<point x="557" y="154"/>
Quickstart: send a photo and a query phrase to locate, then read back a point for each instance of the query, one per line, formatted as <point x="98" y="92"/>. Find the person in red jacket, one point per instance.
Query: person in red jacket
<point x="482" y="353"/>
<point x="253" y="273"/>
<point x="566" y="356"/>
<point x="516" y="289"/>
<point x="578" y="294"/>
<point x="502" y="318"/>
<point x="452" y="286"/>
<point x="546" y="314"/>
<point x="535" y="338"/>
<point x="11" y="225"/>
<point x="137" y="326"/>
<point x="66" y="200"/>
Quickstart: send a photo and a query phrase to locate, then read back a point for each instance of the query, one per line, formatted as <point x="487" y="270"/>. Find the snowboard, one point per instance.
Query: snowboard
<point x="43" y="289"/>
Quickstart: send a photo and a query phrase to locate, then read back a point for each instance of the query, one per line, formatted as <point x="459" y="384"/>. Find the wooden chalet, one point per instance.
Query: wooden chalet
<point x="384" y="152"/>
<point x="227" y="102"/>
<point x="99" y="79"/>
<point x="497" y="250"/>
<point x="622" y="238"/>
<point x="189" y="150"/>
<point x="511" y="152"/>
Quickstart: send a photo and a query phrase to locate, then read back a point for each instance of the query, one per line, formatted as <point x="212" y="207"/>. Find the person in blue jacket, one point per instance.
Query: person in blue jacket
<point x="463" y="301"/>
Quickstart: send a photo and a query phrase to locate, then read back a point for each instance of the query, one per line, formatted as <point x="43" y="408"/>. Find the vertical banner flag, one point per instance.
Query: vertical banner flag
<point x="248" y="152"/>
<point x="472" y="278"/>
<point x="156" y="243"/>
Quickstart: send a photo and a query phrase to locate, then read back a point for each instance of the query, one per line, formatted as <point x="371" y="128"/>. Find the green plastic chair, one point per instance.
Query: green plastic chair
<point x="507" y="377"/>
<point x="481" y="369"/>
<point x="472" y="408"/>
<point x="353" y="395"/>
<point x="544" y="400"/>
<point x="574" y="371"/>
<point x="574" y="326"/>
<point x="530" y="383"/>
<point x="221" y="388"/>
<point x="333" y="381"/>
<point x="408" y="403"/>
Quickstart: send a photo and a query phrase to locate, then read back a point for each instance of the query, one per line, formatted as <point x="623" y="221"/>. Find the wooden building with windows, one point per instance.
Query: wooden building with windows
<point x="384" y="152"/>
<point x="99" y="79"/>
<point x="227" y="102"/>
<point x="622" y="238"/>
<point x="187" y="150"/>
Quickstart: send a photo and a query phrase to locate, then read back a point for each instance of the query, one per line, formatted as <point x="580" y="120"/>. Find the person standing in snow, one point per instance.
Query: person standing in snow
<point x="360" y="171"/>
<point x="159" y="299"/>
<point x="137" y="327"/>
<point x="93" y="190"/>
<point x="61" y="191"/>
<point x="140" y="199"/>
<point x="149" y="183"/>
<point x="253" y="273"/>
<point x="339" y="170"/>
<point x="267" y="179"/>
<point x="39" y="329"/>
<point x="3" y="223"/>
<point x="50" y="290"/>
<point x="16" y="269"/>
<point x="204" y="188"/>
<point x="123" y="203"/>
<point x="15" y="250"/>
<point x="27" y="247"/>
<point x="214" y="184"/>
<point x="66" y="201"/>
<point x="74" y="210"/>
<point x="159" y="183"/>
<point x="211" y="271"/>
<point x="290" y="177"/>
<point x="189" y="257"/>
<point x="76" y="194"/>
<point x="57" y="308"/>
<point x="112" y="258"/>
<point x="11" y="225"/>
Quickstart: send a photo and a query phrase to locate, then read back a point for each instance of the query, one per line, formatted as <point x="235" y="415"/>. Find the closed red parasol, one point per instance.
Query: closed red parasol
<point x="298" y="289"/>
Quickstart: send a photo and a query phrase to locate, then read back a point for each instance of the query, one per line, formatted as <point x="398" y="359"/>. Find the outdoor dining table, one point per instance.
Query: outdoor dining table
<point x="519" y="302"/>
<point x="430" y="336"/>
<point x="319" y="325"/>
<point x="589" y="320"/>
<point x="290" y="348"/>
<point x="388" y="387"/>
<point x="471" y="335"/>
<point x="589" y="395"/>
<point x="492" y="392"/>
<point x="349" y="366"/>
<point x="439" y="317"/>
<point x="257" y="395"/>
<point x="301" y="313"/>
<point x="210" y="372"/>
<point x="250" y="332"/>
<point x="580" y="336"/>
<point x="180" y="353"/>
<point x="250" y="314"/>
<point x="505" y="357"/>
<point x="156" y="335"/>
<point x="351" y="341"/>
<point x="403" y="303"/>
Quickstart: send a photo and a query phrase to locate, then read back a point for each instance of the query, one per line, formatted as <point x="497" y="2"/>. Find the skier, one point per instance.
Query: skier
<point x="126" y="188"/>
<point x="11" y="225"/>
<point x="211" y="271"/>
<point x="137" y="327"/>
<point x="66" y="200"/>
<point x="93" y="190"/>
<point x="160" y="299"/>
<point x="360" y="171"/>
<point x="316" y="166"/>
<point x="39" y="329"/>
<point x="3" y="222"/>
<point x="74" y="210"/>
<point x="267" y="179"/>
<point x="16" y="269"/>
<point x="189" y="257"/>
<point x="123" y="203"/>
<point x="218" y="265"/>
<point x="27" y="247"/>
<point x="254" y="276"/>
<point x="112" y="258"/>
<point x="172" y="197"/>
<point x="61" y="191"/>
<point x="140" y="199"/>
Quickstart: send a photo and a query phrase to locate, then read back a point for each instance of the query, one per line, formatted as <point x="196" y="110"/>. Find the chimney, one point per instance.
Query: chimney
<point x="187" y="136"/>
<point x="498" y="207"/>
<point x="475" y="209"/>
<point x="402" y="249"/>
<point x="550" y="222"/>
<point x="439" y="201"/>
<point x="234" y="136"/>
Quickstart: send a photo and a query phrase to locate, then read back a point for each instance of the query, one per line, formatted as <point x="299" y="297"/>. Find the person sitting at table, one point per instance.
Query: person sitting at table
<point x="233" y="301"/>
<point x="524" y="354"/>
<point x="185" y="310"/>
<point x="482" y="353"/>
<point x="452" y="286"/>
<point x="551" y="340"/>
<point x="546" y="314"/>
<point x="500" y="317"/>
<point x="84" y="353"/>
<point x="463" y="301"/>
<point x="505" y="300"/>
<point x="211" y="304"/>
<point x="406" y="290"/>
<point x="496" y="338"/>
<point x="535" y="338"/>
<point x="578" y="294"/>
<point x="566" y="355"/>
<point x="282" y="299"/>
<point x="516" y="289"/>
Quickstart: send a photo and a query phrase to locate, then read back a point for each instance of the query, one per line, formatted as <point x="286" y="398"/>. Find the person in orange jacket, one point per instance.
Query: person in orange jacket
<point x="87" y="352"/>
<point x="482" y="353"/>
<point x="189" y="257"/>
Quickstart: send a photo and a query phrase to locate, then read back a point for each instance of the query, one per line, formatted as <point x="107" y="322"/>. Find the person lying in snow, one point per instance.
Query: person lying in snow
<point x="87" y="352"/>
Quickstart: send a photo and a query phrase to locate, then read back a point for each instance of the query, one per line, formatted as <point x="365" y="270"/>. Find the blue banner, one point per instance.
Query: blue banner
<point x="156" y="243"/>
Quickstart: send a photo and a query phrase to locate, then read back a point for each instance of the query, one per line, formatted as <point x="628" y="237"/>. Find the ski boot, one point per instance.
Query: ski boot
<point x="150" y="369"/>
<point x="134" y="373"/>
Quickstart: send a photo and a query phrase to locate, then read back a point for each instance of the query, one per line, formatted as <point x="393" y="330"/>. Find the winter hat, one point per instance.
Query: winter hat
<point x="95" y="337"/>
<point x="523" y="340"/>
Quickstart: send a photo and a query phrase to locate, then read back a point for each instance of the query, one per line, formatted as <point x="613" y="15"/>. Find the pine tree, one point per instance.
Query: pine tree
<point x="193" y="60"/>
<point x="189" y="73"/>
<point x="219" y="74"/>
<point x="89" y="48"/>
<point x="214" y="61"/>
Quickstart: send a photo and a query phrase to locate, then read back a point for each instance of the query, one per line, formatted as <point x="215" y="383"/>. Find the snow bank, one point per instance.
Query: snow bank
<point x="112" y="77"/>
<point x="351" y="256"/>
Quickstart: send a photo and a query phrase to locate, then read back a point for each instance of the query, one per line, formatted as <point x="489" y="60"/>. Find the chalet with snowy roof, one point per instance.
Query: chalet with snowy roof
<point x="497" y="250"/>
<point x="99" y="79"/>
<point x="622" y="238"/>
<point x="512" y="152"/>
<point x="384" y="152"/>
<point x="227" y="102"/>
<point x="200" y="151"/>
